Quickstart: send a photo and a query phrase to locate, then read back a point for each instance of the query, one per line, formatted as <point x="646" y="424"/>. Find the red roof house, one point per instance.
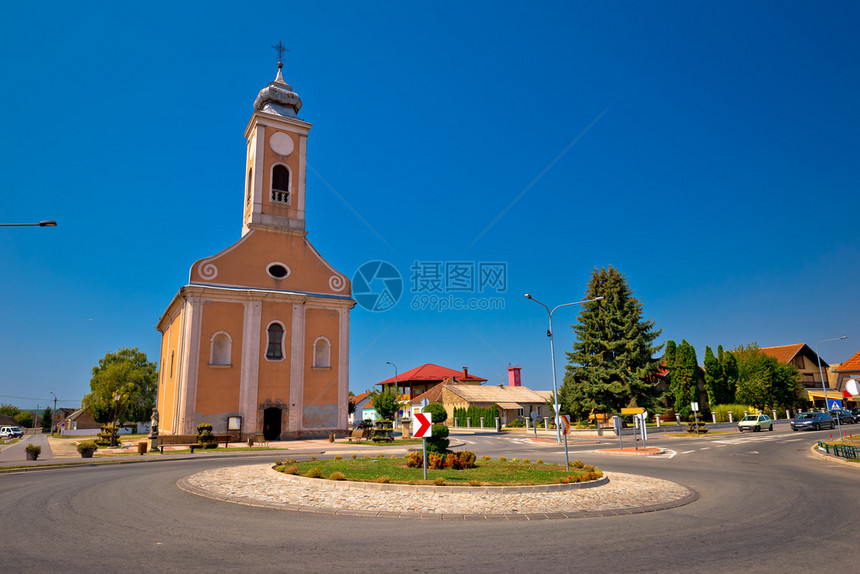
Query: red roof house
<point x="421" y="379"/>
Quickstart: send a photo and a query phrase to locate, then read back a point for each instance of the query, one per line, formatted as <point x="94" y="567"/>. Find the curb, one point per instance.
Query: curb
<point x="625" y="452"/>
<point x="831" y="458"/>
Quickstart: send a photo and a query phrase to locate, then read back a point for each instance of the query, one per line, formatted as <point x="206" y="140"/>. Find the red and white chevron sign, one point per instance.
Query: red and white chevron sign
<point x="422" y="425"/>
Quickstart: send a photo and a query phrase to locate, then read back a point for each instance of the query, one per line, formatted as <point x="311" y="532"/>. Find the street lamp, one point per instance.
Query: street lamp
<point x="396" y="390"/>
<point x="45" y="223"/>
<point x="552" y="353"/>
<point x="823" y="381"/>
<point x="116" y="397"/>
<point x="54" y="413"/>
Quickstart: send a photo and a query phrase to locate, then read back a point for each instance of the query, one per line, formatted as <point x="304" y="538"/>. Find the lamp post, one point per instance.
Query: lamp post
<point x="552" y="353"/>
<point x="823" y="381"/>
<point x="116" y="397"/>
<point x="396" y="390"/>
<point x="54" y="413"/>
<point x="46" y="223"/>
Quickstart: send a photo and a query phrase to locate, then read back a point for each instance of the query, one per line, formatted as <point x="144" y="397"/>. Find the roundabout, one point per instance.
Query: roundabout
<point x="259" y="485"/>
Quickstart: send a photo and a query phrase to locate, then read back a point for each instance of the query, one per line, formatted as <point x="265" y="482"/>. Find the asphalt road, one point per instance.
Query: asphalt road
<point x="765" y="504"/>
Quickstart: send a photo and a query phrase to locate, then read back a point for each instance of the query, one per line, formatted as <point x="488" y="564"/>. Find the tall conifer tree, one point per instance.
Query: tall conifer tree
<point x="729" y="364"/>
<point x="611" y="365"/>
<point x="714" y="379"/>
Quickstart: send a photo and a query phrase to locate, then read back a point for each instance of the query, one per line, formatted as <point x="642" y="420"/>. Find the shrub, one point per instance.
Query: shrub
<point x="435" y="461"/>
<point x="527" y="461"/>
<point x="315" y="472"/>
<point x="439" y="481"/>
<point x="353" y="456"/>
<point x="539" y="461"/>
<point x="33" y="448"/>
<point x="414" y="460"/>
<point x="87" y="445"/>
<point x="452" y="461"/>
<point x="502" y="459"/>
<point x="291" y="470"/>
<point x="438" y="442"/>
<point x="485" y="457"/>
<point x="205" y="438"/>
<point x="336" y="475"/>
<point x="474" y="483"/>
<point x="437" y="413"/>
<point x="383" y="479"/>
<point x="515" y="459"/>
<point x="722" y="412"/>
<point x="578" y="464"/>
<point x="517" y="423"/>
<point x="338" y="457"/>
<point x="467" y="459"/>
<point x="313" y="458"/>
<point x="380" y="456"/>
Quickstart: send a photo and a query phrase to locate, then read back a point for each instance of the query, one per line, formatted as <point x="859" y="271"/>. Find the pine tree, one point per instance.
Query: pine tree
<point x="715" y="381"/>
<point x="684" y="379"/>
<point x="611" y="365"/>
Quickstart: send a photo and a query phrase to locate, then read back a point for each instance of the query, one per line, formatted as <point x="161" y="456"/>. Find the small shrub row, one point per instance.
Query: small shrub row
<point x="452" y="460"/>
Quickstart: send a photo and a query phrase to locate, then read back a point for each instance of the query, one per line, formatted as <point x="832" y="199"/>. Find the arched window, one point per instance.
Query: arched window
<point x="221" y="344"/>
<point x="275" y="350"/>
<point x="281" y="184"/>
<point x="322" y="353"/>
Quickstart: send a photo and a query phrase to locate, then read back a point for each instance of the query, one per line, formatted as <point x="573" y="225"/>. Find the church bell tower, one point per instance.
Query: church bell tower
<point x="276" y="160"/>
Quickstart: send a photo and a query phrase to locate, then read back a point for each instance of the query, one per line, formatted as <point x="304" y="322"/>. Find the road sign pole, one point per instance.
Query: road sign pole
<point x="424" y="441"/>
<point x="566" y="459"/>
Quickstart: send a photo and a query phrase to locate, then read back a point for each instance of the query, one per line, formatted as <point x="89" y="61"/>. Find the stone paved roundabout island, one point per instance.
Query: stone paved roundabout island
<point x="260" y="485"/>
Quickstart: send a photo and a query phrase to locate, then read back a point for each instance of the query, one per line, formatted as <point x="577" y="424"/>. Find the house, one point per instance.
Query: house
<point x="806" y="360"/>
<point x="421" y="379"/>
<point x="850" y="369"/>
<point x="80" y="422"/>
<point x="512" y="401"/>
<point x="359" y="401"/>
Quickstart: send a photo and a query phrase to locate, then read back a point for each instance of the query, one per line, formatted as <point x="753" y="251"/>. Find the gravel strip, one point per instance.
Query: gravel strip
<point x="259" y="485"/>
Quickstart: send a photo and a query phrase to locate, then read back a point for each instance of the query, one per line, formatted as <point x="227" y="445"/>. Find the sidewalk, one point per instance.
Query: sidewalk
<point x="66" y="453"/>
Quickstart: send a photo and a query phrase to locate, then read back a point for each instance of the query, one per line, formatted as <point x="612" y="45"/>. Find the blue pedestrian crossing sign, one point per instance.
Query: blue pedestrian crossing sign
<point x="834" y="404"/>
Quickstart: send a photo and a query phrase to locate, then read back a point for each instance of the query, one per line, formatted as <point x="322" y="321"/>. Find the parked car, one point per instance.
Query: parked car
<point x="755" y="423"/>
<point x="11" y="432"/>
<point x="856" y="412"/>
<point x="845" y="417"/>
<point x="814" y="421"/>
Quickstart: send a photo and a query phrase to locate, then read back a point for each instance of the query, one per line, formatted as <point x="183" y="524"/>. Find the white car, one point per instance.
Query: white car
<point x="755" y="423"/>
<point x="11" y="432"/>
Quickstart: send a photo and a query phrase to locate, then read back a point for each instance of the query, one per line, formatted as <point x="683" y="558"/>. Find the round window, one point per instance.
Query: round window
<point x="278" y="271"/>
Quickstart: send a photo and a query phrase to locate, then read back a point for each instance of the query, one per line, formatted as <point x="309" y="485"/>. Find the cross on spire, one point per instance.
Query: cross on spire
<point x="280" y="49"/>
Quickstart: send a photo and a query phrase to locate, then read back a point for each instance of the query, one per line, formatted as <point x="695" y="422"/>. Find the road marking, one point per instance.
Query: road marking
<point x="705" y="448"/>
<point x="794" y="439"/>
<point x="688" y="451"/>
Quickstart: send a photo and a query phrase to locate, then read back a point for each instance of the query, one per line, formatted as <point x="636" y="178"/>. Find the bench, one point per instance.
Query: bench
<point x="355" y="435"/>
<point x="191" y="446"/>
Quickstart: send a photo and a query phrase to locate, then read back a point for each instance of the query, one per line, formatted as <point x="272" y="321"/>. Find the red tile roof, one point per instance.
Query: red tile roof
<point x="783" y="353"/>
<point x="429" y="373"/>
<point x="852" y="364"/>
<point x="358" y="398"/>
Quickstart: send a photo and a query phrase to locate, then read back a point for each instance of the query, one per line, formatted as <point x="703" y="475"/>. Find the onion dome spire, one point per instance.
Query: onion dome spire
<point x="278" y="97"/>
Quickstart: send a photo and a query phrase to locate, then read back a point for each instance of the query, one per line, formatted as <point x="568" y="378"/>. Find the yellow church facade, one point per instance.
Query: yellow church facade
<point x="258" y="340"/>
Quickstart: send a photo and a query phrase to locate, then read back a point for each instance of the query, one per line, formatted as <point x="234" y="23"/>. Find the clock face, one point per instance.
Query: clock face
<point x="281" y="143"/>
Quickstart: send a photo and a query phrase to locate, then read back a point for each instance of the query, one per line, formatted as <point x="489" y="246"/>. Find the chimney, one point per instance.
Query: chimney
<point x="465" y="372"/>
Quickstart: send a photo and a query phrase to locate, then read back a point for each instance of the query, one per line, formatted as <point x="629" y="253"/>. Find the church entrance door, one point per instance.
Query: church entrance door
<point x="272" y="423"/>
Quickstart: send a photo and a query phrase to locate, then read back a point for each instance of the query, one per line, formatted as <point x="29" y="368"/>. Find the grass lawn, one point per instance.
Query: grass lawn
<point x="485" y="473"/>
<point x="395" y="442"/>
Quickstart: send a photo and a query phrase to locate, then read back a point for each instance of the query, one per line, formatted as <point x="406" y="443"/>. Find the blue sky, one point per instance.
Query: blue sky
<point x="707" y="150"/>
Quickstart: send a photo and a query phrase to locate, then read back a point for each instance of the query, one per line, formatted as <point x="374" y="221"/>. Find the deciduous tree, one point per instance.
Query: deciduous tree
<point x="128" y="372"/>
<point x="763" y="381"/>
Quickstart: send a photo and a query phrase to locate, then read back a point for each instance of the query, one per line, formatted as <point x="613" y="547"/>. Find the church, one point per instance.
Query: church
<point x="257" y="342"/>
